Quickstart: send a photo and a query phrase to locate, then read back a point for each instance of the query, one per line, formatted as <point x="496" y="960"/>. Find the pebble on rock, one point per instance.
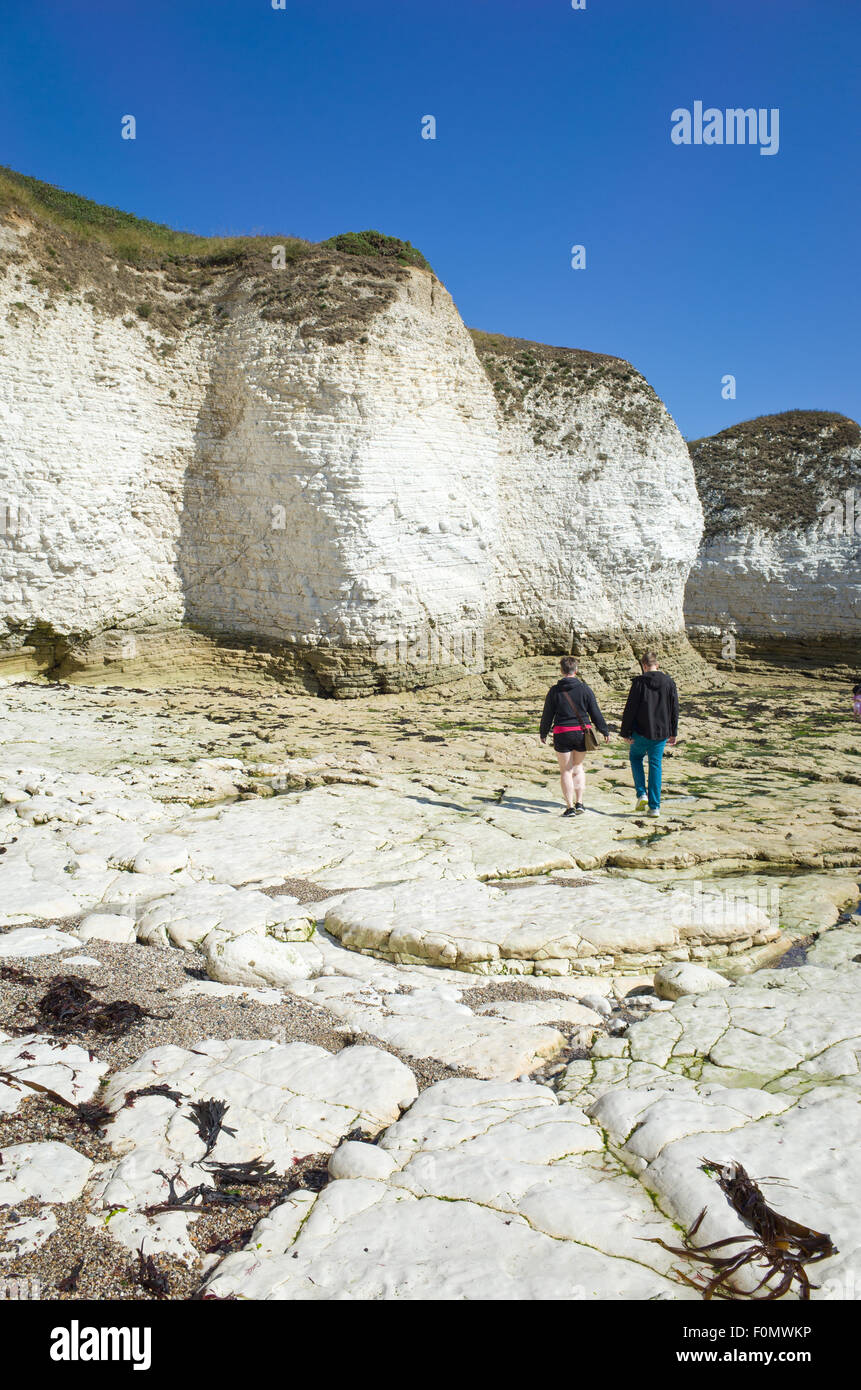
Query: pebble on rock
<point x="675" y="981"/>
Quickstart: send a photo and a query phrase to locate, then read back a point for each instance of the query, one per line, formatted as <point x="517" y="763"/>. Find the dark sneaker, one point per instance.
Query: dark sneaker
<point x="569" y="811"/>
<point x="579" y="808"/>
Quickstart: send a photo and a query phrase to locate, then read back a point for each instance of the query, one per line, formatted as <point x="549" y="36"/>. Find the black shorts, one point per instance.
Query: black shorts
<point x="572" y="742"/>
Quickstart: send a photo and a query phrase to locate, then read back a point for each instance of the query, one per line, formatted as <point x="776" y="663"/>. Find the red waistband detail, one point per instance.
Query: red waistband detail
<point x="569" y="728"/>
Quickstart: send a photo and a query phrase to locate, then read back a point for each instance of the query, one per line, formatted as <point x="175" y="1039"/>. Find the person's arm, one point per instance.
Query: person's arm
<point x="674" y="712"/>
<point x="547" y="715"/>
<point x="597" y="717"/>
<point x="632" y="704"/>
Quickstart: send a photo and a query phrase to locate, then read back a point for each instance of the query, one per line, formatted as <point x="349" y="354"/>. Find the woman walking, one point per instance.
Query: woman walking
<point x="568" y="710"/>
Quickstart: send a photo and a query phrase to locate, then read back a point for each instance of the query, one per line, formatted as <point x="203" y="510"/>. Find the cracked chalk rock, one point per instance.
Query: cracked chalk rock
<point x="283" y="1103"/>
<point x="495" y="1191"/>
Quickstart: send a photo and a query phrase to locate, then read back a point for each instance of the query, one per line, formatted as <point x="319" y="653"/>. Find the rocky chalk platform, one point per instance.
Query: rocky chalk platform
<point x="379" y="1041"/>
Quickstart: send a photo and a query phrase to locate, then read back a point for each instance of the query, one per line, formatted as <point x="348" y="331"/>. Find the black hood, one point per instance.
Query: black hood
<point x="652" y="708"/>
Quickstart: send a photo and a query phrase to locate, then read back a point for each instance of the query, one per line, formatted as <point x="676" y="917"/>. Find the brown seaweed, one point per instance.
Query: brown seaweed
<point x="70" y="1283"/>
<point x="249" y="1174"/>
<point x="150" y="1278"/>
<point x="209" y="1118"/>
<point x="782" y="1245"/>
<point x="162" y="1090"/>
<point x="68" y="1006"/>
<point x="85" y="1112"/>
<point x="198" y="1198"/>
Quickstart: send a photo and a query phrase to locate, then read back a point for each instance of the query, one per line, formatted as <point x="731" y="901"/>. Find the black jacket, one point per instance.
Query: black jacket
<point x="652" y="708"/>
<point x="558" y="711"/>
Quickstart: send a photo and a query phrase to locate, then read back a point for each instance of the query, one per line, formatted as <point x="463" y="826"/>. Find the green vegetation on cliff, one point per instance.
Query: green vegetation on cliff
<point x="136" y="239"/>
<point x="136" y="270"/>
<point x="773" y="472"/>
<point x="526" y="373"/>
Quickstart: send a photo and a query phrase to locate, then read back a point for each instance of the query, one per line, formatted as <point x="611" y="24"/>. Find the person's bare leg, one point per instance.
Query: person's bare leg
<point x="566" y="777"/>
<point x="578" y="775"/>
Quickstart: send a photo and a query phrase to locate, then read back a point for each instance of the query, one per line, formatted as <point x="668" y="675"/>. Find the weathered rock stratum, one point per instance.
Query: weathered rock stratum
<point x="304" y="457"/>
<point x="780" y="562"/>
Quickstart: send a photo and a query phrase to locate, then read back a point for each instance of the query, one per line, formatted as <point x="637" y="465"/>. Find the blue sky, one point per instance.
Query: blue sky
<point x="553" y="129"/>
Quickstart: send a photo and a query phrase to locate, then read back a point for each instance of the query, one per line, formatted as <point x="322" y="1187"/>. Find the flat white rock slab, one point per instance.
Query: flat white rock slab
<point x="284" y="1102"/>
<point x="544" y="1011"/>
<point x="101" y="846"/>
<point x="186" y="917"/>
<point x="26" y="942"/>
<point x="766" y="1073"/>
<point x="491" y="1191"/>
<point x="49" y="1171"/>
<point x="603" y="925"/>
<point x="69" y="1070"/>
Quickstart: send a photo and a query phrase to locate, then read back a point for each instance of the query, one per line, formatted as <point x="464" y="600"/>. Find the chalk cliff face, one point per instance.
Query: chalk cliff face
<point x="316" y="465"/>
<point x="599" y="514"/>
<point x="780" y="563"/>
<point x="351" y="500"/>
<point x="93" y="449"/>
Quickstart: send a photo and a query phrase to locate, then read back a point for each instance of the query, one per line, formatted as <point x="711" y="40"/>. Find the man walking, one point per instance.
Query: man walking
<point x="650" y="722"/>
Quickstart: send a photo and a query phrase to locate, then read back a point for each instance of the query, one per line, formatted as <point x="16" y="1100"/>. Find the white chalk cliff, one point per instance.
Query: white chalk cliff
<point x="780" y="561"/>
<point x="316" y="460"/>
<point x="598" y="514"/>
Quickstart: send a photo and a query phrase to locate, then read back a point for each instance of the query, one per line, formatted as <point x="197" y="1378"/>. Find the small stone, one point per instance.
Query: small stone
<point x="107" y="926"/>
<point x="14" y="795"/>
<point x="356" y="1160"/>
<point x="675" y="981"/>
<point x="598" y="1003"/>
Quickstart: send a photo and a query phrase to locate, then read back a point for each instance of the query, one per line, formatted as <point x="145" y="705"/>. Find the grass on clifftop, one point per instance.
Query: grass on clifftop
<point x="377" y="244"/>
<point x="532" y="374"/>
<point x="143" y="272"/>
<point x="771" y="473"/>
<point x="139" y="241"/>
